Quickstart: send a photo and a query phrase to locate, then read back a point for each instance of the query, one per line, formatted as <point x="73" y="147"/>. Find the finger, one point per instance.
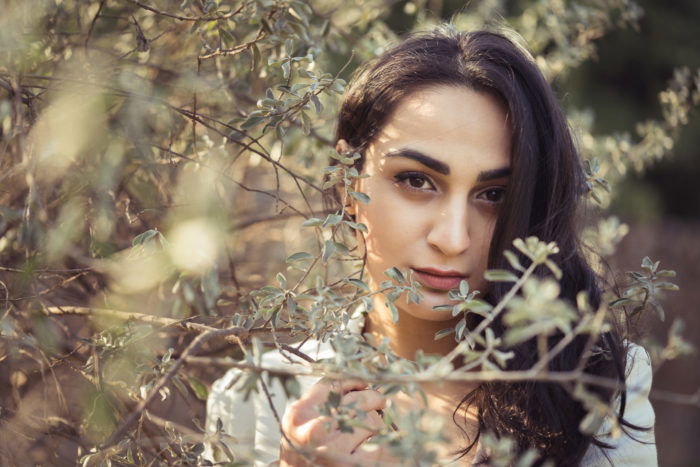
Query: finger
<point x="365" y="400"/>
<point x="305" y="409"/>
<point x="374" y="421"/>
<point x="367" y="427"/>
<point x="315" y="432"/>
<point x="339" y="386"/>
<point x="318" y="394"/>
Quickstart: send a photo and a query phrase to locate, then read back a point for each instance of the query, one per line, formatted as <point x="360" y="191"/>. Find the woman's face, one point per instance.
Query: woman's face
<point x="437" y="173"/>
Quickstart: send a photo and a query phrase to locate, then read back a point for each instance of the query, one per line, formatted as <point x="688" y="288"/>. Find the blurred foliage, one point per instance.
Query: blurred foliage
<point x="160" y="160"/>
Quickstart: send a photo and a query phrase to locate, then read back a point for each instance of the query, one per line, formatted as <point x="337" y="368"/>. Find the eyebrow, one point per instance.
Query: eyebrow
<point x="441" y="167"/>
<point x="487" y="175"/>
<point x="436" y="165"/>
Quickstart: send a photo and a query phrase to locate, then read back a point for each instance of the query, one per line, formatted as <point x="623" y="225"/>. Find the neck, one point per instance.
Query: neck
<point x="409" y="334"/>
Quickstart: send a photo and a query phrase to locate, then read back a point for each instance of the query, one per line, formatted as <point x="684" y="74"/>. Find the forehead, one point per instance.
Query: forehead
<point x="454" y="124"/>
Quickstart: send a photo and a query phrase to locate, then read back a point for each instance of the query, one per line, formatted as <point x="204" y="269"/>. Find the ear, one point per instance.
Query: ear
<point x="342" y="147"/>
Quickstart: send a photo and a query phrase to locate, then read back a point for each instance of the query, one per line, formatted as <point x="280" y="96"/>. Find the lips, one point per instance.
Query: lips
<point x="439" y="280"/>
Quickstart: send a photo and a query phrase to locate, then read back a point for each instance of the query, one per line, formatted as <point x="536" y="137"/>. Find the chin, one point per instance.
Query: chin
<point x="424" y="309"/>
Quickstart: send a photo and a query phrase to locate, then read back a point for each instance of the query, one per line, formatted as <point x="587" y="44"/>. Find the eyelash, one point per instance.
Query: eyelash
<point x="404" y="180"/>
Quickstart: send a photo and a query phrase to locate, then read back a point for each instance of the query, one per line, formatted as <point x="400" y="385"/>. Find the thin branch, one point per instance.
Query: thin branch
<point x="186" y="18"/>
<point x="238" y="337"/>
<point x="462" y="346"/>
<point x="128" y="316"/>
<point x="236" y="182"/>
<point x="92" y="24"/>
<point x="235" y="50"/>
<point x="191" y="350"/>
<point x="8" y="269"/>
<point x="279" y="421"/>
<point x="457" y="376"/>
<point x="50" y="289"/>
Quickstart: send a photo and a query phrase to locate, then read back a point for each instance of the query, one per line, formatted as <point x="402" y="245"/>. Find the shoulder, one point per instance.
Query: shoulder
<point x="633" y="447"/>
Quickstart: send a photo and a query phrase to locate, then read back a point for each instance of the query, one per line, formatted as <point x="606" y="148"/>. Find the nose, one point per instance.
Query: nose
<point x="449" y="231"/>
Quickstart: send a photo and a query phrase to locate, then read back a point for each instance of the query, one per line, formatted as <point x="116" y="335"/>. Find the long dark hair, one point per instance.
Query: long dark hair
<point x="543" y="198"/>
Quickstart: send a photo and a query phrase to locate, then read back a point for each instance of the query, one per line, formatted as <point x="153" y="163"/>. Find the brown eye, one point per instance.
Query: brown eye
<point x="493" y="195"/>
<point x="415" y="181"/>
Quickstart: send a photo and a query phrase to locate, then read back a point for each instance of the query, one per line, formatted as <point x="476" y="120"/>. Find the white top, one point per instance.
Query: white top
<point x="256" y="436"/>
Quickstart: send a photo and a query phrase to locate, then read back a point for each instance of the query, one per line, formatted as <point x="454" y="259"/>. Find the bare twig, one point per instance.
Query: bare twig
<point x="92" y="24"/>
<point x="279" y="421"/>
<point x="457" y="376"/>
<point x="185" y="18"/>
<point x="51" y="289"/>
<point x="236" y="182"/>
<point x="191" y="349"/>
<point x="234" y="50"/>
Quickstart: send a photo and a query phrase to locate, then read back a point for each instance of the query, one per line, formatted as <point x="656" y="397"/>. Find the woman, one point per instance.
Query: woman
<point x="464" y="148"/>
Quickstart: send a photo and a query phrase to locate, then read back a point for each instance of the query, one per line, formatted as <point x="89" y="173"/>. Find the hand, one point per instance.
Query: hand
<point x="316" y="438"/>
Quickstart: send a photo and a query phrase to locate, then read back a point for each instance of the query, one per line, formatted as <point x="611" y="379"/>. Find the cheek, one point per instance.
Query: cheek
<point x="481" y="242"/>
<point x="392" y="231"/>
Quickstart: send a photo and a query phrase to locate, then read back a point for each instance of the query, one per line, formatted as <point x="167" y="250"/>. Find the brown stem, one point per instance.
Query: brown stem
<point x="185" y="18"/>
<point x="191" y="350"/>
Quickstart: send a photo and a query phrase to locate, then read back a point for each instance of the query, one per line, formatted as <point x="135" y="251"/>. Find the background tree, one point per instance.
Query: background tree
<point x="158" y="160"/>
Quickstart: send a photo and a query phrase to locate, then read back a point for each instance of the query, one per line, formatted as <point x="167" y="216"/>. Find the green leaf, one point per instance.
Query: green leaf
<point x="312" y="222"/>
<point x="227" y="37"/>
<point x="359" y="284"/>
<point x="666" y="273"/>
<point x="443" y="333"/>
<point x="459" y="329"/>
<point x="332" y="219"/>
<point x="316" y="102"/>
<point x="305" y="123"/>
<point x="500" y="275"/>
<point x="291" y="306"/>
<point x="338" y="86"/>
<point x="329" y="183"/>
<point x="341" y="248"/>
<point x="199" y="389"/>
<point x="300" y="256"/>
<point x="464" y="288"/>
<point x="361" y="197"/>
<point x="251" y="122"/>
<point x="554" y="268"/>
<point x="479" y="307"/>
<point x="328" y="250"/>
<point x="256" y="57"/>
<point x="334" y="399"/>
<point x="413" y="297"/>
<point x="142" y="238"/>
<point x="395" y="274"/>
<point x="357" y="226"/>
<point x="394" y="311"/>
<point x="591" y="423"/>
<point x="513" y="260"/>
<point x="292" y="387"/>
